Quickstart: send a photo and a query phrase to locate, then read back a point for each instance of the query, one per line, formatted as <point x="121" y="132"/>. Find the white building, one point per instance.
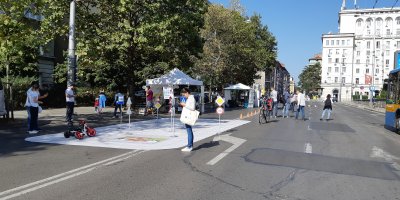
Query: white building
<point x="361" y="55"/>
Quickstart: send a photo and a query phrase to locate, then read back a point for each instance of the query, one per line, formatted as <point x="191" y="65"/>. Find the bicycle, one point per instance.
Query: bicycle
<point x="265" y="110"/>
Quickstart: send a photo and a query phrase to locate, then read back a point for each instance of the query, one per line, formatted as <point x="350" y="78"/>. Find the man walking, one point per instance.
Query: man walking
<point x="301" y="103"/>
<point x="274" y="96"/>
<point x="70" y="100"/>
<point x="118" y="102"/>
<point x="286" y="99"/>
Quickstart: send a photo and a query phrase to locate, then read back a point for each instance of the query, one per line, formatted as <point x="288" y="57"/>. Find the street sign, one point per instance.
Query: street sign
<point x="220" y="111"/>
<point x="158" y="105"/>
<point x="220" y="101"/>
<point x="372" y="88"/>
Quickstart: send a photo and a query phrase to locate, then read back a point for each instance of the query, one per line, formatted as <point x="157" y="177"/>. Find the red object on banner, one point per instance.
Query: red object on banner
<point x="368" y="79"/>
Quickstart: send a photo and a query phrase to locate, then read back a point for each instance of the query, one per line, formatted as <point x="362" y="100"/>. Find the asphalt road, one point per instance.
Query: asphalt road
<point x="349" y="157"/>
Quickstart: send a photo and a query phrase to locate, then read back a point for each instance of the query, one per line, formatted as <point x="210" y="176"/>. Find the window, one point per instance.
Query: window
<point x="359" y="22"/>
<point x="387" y="53"/>
<point x="330" y="52"/>
<point x="336" y="79"/>
<point x="357" y="80"/>
<point x="358" y="61"/>
<point x="343" y="43"/>
<point x="368" y="53"/>
<point x="336" y="60"/>
<point x="348" y="42"/>
<point x="378" y="31"/>
<point x="344" y="69"/>
<point x="368" y="45"/>
<point x="367" y="93"/>
<point x="369" y="22"/>
<point x="379" y="22"/>
<point x="398" y="44"/>
<point x="387" y="44"/>
<point x="367" y="61"/>
<point x="376" y="80"/>
<point x="337" y="43"/>
<point x="329" y="69"/>
<point x="343" y="79"/>
<point x="388" y="21"/>
<point x="327" y="42"/>
<point x="329" y="79"/>
<point x="376" y="71"/>
<point x="398" y="20"/>
<point x="378" y="44"/>
<point x="378" y="52"/>
<point x="332" y="42"/>
<point x="344" y="52"/>
<point x="398" y="31"/>
<point x="388" y="32"/>
<point x="357" y="70"/>
<point x="387" y="61"/>
<point x="329" y="60"/>
<point x="337" y="51"/>
<point x="344" y="61"/>
<point x="358" y="53"/>
<point x="336" y="69"/>
<point x="368" y="32"/>
<point x="367" y="71"/>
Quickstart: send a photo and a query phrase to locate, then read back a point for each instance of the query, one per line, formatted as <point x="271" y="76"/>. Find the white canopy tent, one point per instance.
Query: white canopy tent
<point x="174" y="77"/>
<point x="237" y="87"/>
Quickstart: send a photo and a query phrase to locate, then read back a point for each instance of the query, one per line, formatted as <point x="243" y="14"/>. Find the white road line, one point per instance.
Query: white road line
<point x="307" y="148"/>
<point x="380" y="153"/>
<point x="64" y="176"/>
<point x="227" y="138"/>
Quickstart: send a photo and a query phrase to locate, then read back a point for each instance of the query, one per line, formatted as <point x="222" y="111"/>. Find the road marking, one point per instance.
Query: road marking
<point x="64" y="176"/>
<point x="307" y="148"/>
<point x="227" y="138"/>
<point x="380" y="153"/>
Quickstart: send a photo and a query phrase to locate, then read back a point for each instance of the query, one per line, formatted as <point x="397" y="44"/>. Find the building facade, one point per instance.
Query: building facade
<point x="356" y="60"/>
<point x="277" y="77"/>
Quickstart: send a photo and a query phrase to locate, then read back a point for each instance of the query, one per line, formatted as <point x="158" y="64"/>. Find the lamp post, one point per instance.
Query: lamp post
<point x="71" y="71"/>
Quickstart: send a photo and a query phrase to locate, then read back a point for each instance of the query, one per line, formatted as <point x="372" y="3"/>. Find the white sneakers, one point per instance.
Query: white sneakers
<point x="32" y="132"/>
<point x="187" y="149"/>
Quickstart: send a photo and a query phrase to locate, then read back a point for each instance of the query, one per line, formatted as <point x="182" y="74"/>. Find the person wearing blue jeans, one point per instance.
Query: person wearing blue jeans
<point x="327" y="107"/>
<point x="188" y="105"/>
<point x="274" y="96"/>
<point x="301" y="102"/>
<point x="286" y="98"/>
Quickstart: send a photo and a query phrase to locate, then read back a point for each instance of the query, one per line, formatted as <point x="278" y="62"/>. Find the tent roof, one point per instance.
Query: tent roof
<point x="174" y="77"/>
<point x="238" y="86"/>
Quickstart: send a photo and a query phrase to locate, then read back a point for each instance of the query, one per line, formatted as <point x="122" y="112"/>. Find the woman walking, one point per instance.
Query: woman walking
<point x="102" y="102"/>
<point x="33" y="100"/>
<point x="327" y="107"/>
<point x="188" y="106"/>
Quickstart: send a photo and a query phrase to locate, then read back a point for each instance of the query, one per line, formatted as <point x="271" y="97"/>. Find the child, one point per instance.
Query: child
<point x="96" y="105"/>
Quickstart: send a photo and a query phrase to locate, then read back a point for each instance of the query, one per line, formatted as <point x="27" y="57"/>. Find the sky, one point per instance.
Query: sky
<point x="299" y="24"/>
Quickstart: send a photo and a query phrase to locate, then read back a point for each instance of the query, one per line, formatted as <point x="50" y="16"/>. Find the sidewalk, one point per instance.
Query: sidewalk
<point x="364" y="107"/>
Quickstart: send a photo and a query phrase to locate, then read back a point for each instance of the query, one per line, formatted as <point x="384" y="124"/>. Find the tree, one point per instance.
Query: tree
<point x="235" y="49"/>
<point x="122" y="43"/>
<point x="310" y="77"/>
<point x="19" y="38"/>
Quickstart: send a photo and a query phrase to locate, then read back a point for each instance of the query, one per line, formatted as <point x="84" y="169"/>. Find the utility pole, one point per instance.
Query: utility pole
<point x="71" y="77"/>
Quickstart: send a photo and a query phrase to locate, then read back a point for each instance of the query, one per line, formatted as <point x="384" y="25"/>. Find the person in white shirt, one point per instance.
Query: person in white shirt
<point x="189" y="105"/>
<point x="301" y="103"/>
<point x="274" y="96"/>
<point x="70" y="101"/>
<point x="31" y="93"/>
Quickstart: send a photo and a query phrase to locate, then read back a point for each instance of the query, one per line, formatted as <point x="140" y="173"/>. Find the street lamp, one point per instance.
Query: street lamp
<point x="71" y="70"/>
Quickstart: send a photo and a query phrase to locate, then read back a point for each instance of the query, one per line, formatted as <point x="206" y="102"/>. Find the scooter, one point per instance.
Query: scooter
<point x="80" y="132"/>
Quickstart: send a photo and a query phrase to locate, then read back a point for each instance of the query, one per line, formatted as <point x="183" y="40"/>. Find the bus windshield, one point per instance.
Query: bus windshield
<point x="393" y="88"/>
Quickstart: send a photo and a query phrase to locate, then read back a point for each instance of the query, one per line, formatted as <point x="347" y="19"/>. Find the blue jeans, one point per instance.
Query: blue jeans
<point x="329" y="113"/>
<point x="275" y="108"/>
<point x="286" y="110"/>
<point x="190" y="135"/>
<point x="34" y="113"/>
<point x="301" y="109"/>
<point x="28" y="110"/>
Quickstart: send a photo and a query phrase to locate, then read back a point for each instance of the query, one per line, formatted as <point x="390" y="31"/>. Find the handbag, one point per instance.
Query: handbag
<point x="189" y="117"/>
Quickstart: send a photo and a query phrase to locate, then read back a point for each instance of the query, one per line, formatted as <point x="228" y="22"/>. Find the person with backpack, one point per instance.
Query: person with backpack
<point x="327" y="107"/>
<point x="119" y="100"/>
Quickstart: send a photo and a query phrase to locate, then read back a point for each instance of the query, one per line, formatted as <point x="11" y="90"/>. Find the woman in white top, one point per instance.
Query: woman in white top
<point x="190" y="104"/>
<point x="33" y="99"/>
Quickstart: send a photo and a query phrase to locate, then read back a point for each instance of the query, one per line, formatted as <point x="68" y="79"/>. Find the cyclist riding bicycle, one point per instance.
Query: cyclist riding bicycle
<point x="266" y="103"/>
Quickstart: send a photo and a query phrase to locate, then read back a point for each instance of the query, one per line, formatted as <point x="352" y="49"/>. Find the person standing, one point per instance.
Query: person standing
<point x="188" y="105"/>
<point x="286" y="99"/>
<point x="149" y="99"/>
<point x="70" y="100"/>
<point x="102" y="101"/>
<point x="119" y="100"/>
<point x="327" y="107"/>
<point x="301" y="103"/>
<point x="274" y="96"/>
<point x="29" y="103"/>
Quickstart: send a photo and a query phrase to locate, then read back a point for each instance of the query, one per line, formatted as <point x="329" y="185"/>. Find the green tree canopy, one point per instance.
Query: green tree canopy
<point x="310" y="77"/>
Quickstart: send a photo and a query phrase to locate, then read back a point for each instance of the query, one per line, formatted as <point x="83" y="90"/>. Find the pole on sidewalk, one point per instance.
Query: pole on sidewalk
<point x="71" y="70"/>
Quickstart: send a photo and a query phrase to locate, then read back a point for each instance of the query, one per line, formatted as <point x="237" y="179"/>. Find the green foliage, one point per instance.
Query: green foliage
<point x="19" y="87"/>
<point x="235" y="49"/>
<point x="310" y="77"/>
